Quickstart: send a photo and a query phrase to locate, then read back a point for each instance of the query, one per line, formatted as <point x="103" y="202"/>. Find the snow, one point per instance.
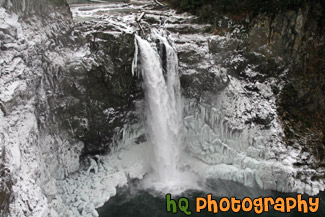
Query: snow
<point x="92" y="190"/>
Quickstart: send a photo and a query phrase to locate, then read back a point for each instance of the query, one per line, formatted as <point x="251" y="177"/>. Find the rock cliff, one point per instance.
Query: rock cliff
<point x="66" y="92"/>
<point x="282" y="42"/>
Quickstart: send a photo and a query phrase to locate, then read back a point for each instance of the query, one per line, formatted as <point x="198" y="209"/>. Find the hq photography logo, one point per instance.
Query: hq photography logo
<point x="258" y="205"/>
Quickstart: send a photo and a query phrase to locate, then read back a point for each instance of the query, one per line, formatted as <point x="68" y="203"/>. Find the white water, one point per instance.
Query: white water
<point x="164" y="109"/>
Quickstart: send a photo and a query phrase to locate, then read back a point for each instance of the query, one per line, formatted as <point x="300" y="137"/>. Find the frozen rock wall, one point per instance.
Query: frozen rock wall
<point x="65" y="91"/>
<point x="273" y="58"/>
<point x="34" y="150"/>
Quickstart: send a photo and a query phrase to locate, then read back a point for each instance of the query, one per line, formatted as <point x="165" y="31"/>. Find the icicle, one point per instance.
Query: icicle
<point x="135" y="59"/>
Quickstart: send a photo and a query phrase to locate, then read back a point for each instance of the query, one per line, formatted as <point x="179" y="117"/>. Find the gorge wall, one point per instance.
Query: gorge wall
<point x="65" y="91"/>
<point x="287" y="38"/>
<point x="33" y="149"/>
<point x="279" y="43"/>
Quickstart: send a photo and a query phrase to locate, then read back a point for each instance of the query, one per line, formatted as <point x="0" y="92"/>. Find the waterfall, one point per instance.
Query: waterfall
<point x="158" y="65"/>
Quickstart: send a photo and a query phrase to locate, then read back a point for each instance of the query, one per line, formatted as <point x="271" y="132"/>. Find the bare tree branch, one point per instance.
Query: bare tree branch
<point x="157" y="2"/>
<point x="140" y="17"/>
<point x="139" y="21"/>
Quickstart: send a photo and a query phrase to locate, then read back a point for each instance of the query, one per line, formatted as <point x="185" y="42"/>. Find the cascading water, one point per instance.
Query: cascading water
<point x="164" y="109"/>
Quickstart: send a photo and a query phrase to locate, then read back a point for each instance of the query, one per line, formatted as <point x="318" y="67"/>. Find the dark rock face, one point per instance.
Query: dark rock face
<point x="199" y="85"/>
<point x="297" y="39"/>
<point x="293" y="44"/>
<point x="99" y="93"/>
<point x="302" y="101"/>
<point x="6" y="194"/>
